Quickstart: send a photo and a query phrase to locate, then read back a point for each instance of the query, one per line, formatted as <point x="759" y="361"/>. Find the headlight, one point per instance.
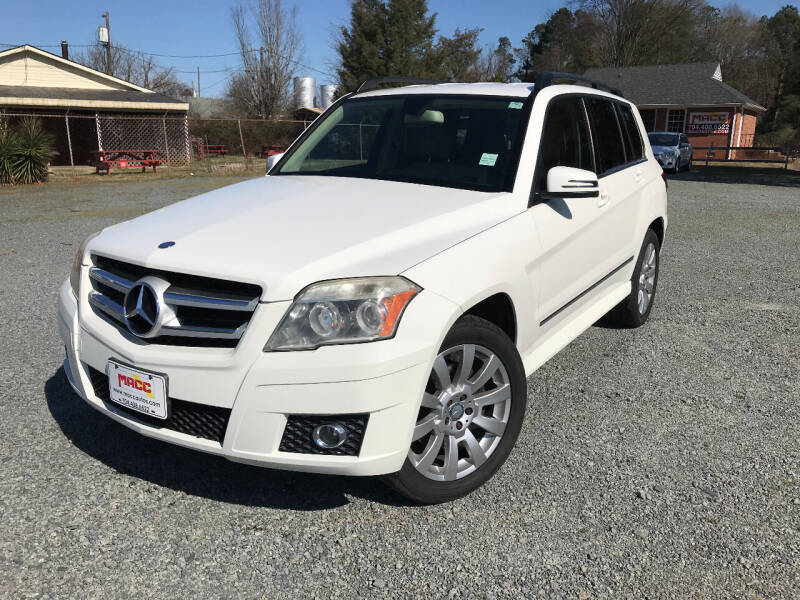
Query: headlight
<point x="343" y="311"/>
<point x="75" y="274"/>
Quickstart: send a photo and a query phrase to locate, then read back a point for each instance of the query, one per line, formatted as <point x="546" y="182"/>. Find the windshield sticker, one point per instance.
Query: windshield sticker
<point x="487" y="160"/>
<point x="516" y="105"/>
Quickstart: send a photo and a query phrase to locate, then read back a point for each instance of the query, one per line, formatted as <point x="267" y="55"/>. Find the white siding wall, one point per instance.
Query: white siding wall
<point x="29" y="69"/>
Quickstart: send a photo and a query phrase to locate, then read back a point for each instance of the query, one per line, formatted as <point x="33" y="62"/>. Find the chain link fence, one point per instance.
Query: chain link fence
<point x="175" y="141"/>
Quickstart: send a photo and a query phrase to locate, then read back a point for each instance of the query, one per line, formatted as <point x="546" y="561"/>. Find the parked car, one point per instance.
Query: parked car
<point x="672" y="150"/>
<point x="374" y="305"/>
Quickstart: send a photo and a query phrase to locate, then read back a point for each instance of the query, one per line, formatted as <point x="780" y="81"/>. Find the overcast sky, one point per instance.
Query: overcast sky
<point x="183" y="27"/>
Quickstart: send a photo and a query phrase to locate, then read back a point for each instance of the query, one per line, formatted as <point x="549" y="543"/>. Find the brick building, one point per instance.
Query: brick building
<point x="690" y="99"/>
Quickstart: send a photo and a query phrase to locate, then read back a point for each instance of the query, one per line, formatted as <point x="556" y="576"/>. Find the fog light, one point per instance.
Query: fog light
<point x="329" y="435"/>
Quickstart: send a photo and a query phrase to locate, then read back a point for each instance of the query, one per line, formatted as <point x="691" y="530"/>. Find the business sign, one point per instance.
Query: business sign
<point x="709" y="122"/>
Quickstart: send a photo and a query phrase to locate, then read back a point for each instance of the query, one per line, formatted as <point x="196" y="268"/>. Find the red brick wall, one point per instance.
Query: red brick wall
<point x="661" y="119"/>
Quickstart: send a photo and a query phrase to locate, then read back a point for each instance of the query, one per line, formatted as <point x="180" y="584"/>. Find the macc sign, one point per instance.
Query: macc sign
<point x="709" y="122"/>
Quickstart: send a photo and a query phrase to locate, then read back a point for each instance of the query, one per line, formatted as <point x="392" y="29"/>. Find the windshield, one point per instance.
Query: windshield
<point x="663" y="139"/>
<point x="455" y="141"/>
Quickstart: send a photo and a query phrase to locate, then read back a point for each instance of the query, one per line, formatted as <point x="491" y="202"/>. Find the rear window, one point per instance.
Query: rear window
<point x="607" y="135"/>
<point x="634" y="149"/>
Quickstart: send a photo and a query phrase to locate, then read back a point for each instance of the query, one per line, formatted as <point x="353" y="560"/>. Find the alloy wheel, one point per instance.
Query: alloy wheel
<point x="647" y="278"/>
<point x="464" y="413"/>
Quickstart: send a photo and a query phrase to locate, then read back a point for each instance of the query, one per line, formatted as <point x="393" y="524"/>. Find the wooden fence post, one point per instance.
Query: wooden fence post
<point x="244" y="150"/>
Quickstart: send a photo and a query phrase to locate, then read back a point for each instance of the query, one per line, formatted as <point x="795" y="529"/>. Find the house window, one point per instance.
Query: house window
<point x="649" y="119"/>
<point x="675" y="120"/>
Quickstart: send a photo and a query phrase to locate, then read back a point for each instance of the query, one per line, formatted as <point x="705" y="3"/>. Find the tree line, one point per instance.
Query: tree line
<point x="759" y="56"/>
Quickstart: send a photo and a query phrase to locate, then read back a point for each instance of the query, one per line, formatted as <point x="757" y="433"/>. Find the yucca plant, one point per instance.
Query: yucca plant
<point x="34" y="147"/>
<point x="9" y="148"/>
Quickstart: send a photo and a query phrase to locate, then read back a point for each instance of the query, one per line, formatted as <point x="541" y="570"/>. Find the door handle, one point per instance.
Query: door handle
<point x="638" y="176"/>
<point x="603" y="199"/>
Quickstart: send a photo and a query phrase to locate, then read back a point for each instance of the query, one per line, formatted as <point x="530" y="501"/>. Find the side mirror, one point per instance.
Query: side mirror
<point x="569" y="182"/>
<point x="273" y="160"/>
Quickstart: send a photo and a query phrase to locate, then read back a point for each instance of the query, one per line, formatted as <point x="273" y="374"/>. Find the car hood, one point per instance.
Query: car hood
<point x="664" y="149"/>
<point x="286" y="232"/>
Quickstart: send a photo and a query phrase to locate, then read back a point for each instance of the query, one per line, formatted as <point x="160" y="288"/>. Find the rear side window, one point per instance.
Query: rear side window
<point x="565" y="140"/>
<point x="606" y="133"/>
<point x="634" y="149"/>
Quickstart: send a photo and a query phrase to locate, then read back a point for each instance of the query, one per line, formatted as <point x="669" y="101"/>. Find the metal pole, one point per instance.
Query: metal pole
<point x="69" y="143"/>
<point x="108" y="44"/>
<point x="198" y="82"/>
<point x="241" y="139"/>
<point x="99" y="135"/>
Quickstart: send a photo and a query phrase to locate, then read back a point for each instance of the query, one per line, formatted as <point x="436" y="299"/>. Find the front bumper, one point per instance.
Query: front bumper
<point x="667" y="161"/>
<point x="384" y="380"/>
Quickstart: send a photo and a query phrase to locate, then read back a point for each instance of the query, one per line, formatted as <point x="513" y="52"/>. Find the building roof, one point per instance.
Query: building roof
<point x="43" y="97"/>
<point x="30" y="77"/>
<point x="695" y="84"/>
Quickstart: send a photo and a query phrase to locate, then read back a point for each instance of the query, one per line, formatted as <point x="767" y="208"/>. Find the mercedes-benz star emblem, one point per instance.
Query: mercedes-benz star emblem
<point x="141" y="309"/>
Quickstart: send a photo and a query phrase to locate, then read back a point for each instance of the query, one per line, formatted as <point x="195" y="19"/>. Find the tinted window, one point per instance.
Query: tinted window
<point x="565" y="140"/>
<point x="606" y="133"/>
<point x="633" y="140"/>
<point x="447" y="140"/>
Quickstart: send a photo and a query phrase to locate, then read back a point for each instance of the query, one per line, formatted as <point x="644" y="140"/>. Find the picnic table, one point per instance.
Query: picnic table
<point x="267" y="151"/>
<point x="105" y="160"/>
<point x="216" y="149"/>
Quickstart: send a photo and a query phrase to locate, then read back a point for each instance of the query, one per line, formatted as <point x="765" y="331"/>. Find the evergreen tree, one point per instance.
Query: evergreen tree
<point x="362" y="45"/>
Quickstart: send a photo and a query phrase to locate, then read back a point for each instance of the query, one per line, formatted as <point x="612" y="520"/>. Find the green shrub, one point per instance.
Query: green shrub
<point x="25" y="152"/>
<point x="8" y="149"/>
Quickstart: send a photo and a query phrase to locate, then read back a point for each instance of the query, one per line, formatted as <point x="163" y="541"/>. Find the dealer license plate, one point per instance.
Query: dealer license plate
<point x="137" y="390"/>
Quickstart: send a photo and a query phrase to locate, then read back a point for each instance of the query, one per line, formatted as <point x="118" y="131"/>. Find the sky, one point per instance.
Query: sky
<point x="190" y="31"/>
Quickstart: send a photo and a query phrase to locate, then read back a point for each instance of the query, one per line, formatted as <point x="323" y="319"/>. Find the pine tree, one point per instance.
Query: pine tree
<point x="394" y="37"/>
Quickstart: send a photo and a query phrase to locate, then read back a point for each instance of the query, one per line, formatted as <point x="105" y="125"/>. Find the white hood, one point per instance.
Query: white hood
<point x="286" y="232"/>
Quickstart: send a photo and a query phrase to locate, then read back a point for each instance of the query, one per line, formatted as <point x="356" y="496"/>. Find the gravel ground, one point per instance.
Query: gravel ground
<point x="659" y="463"/>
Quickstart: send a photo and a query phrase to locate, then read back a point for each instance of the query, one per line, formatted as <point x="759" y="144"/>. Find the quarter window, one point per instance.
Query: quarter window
<point x="606" y="133"/>
<point x="675" y="120"/>
<point x="634" y="149"/>
<point x="566" y="141"/>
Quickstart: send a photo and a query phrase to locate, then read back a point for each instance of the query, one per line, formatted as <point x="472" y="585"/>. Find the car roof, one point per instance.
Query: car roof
<point x="519" y="90"/>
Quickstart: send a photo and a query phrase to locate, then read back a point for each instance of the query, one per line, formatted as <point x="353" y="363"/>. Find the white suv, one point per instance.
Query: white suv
<point x="374" y="305"/>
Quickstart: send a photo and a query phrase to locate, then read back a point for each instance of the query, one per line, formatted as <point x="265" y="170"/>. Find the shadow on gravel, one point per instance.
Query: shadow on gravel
<point x="738" y="174"/>
<point x="197" y="473"/>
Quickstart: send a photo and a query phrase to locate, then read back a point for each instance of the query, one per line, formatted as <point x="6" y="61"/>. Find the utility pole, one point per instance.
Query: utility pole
<point x="108" y="43"/>
<point x="198" y="82"/>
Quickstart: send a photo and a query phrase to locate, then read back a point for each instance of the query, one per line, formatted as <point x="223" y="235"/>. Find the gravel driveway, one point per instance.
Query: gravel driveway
<point x="659" y="463"/>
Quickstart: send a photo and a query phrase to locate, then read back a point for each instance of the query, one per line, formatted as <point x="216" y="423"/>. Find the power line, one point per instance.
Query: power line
<point x="145" y="52"/>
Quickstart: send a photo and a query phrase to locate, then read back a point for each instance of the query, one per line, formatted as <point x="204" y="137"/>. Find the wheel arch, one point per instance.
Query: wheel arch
<point x="658" y="227"/>
<point x="499" y="310"/>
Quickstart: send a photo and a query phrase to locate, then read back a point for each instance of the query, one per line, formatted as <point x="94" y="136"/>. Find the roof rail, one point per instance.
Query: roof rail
<point x="542" y="80"/>
<point x="372" y="84"/>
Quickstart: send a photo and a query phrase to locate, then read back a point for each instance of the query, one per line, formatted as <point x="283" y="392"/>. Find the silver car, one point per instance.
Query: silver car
<point x="672" y="150"/>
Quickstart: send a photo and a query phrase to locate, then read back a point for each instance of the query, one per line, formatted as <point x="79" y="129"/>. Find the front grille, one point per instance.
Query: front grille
<point x="208" y="312"/>
<point x="297" y="435"/>
<point x="199" y="420"/>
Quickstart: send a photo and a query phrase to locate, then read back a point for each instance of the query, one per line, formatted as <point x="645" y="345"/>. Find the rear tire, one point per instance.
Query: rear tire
<point x="470" y="416"/>
<point x="634" y="310"/>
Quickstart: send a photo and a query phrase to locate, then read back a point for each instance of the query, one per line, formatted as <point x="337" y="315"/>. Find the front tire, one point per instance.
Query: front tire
<point x="470" y="415"/>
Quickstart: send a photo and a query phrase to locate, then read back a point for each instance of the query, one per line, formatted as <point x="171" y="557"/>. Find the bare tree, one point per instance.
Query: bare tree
<point x="135" y="67"/>
<point x="634" y="32"/>
<point x="263" y="88"/>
